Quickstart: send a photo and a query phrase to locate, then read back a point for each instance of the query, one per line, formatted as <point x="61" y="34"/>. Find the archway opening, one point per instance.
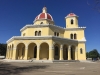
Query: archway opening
<point x="20" y="53"/>
<point x="35" y="51"/>
<point x="72" y="52"/>
<point x="44" y="51"/>
<point x="56" y="52"/>
<point x="65" y="52"/>
<point x="32" y="50"/>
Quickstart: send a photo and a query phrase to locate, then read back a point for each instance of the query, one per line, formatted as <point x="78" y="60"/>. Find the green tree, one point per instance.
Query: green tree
<point x="3" y="48"/>
<point x="87" y="54"/>
<point x="93" y="54"/>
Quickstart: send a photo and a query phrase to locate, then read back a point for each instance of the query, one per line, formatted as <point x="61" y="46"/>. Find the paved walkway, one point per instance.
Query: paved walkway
<point x="69" y="68"/>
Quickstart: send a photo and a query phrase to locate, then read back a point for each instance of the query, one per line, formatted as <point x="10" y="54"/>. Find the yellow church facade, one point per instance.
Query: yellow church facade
<point x="43" y="40"/>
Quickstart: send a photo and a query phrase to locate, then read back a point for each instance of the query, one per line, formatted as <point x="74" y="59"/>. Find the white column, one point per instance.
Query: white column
<point x="61" y="52"/>
<point x="14" y="53"/>
<point x="69" y="52"/>
<point x="51" y="53"/>
<point x="38" y="53"/>
<point x="76" y="53"/>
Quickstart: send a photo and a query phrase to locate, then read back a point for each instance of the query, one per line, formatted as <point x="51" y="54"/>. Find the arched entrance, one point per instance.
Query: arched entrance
<point x="32" y="50"/>
<point x="72" y="52"/>
<point x="20" y="53"/>
<point x="35" y="51"/>
<point x="65" y="52"/>
<point x="56" y="52"/>
<point x="44" y="51"/>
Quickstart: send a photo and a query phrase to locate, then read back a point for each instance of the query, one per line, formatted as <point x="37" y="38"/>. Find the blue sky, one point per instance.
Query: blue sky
<point x="14" y="14"/>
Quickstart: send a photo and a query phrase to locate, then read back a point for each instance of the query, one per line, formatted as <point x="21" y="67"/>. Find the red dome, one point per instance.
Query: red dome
<point x="71" y="14"/>
<point x="44" y="16"/>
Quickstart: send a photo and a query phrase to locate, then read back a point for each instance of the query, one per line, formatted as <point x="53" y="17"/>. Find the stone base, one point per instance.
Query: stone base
<point x="66" y="61"/>
<point x="40" y="61"/>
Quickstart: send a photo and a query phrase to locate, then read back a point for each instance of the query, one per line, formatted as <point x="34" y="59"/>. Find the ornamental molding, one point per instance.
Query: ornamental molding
<point x="72" y="29"/>
<point x="50" y="25"/>
<point x="57" y="39"/>
<point x="83" y="40"/>
<point x="39" y="26"/>
<point x="44" y="41"/>
<point x="42" y="19"/>
<point x="32" y="42"/>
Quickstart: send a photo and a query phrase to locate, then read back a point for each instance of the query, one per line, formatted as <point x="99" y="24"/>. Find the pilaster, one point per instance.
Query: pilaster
<point x="61" y="52"/>
<point x="69" y="52"/>
<point x="38" y="53"/>
<point x="14" y="53"/>
<point x="51" y="53"/>
<point x="76" y="53"/>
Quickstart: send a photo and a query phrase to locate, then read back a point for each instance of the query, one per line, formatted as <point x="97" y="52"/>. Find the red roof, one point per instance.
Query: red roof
<point x="71" y="14"/>
<point x="44" y="16"/>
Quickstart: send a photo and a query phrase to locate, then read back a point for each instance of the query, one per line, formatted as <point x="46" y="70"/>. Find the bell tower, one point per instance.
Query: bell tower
<point x="71" y="20"/>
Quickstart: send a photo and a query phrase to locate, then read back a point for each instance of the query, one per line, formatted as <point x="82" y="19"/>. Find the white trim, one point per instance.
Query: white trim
<point x="82" y="40"/>
<point x="39" y="26"/>
<point x="38" y="37"/>
<point x="39" y="16"/>
<point x="51" y="17"/>
<point x="20" y="41"/>
<point x="78" y="28"/>
<point x="45" y="15"/>
<point x="44" y="41"/>
<point x="32" y="42"/>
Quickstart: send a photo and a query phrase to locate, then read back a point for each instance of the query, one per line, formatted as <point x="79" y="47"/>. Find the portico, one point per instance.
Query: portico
<point x="45" y="50"/>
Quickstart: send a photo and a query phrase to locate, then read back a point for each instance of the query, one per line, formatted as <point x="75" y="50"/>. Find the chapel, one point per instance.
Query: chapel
<point x="43" y="40"/>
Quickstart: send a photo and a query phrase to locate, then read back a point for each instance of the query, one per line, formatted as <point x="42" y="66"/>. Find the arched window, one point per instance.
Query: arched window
<point x="36" y="33"/>
<point x="24" y="34"/>
<point x="35" y="51"/>
<point x="56" y="51"/>
<point x="54" y="33"/>
<point x="39" y="33"/>
<point x="57" y="34"/>
<point x="75" y="36"/>
<point x="41" y="23"/>
<point x="81" y="51"/>
<point x="71" y="36"/>
<point x="72" y="21"/>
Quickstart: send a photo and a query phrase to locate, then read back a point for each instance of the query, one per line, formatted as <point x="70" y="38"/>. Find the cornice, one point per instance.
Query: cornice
<point x="39" y="38"/>
<point x="37" y="26"/>
<point x="78" y="28"/>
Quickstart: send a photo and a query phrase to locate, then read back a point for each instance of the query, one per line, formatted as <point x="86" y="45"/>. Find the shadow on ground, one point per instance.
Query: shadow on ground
<point x="8" y="69"/>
